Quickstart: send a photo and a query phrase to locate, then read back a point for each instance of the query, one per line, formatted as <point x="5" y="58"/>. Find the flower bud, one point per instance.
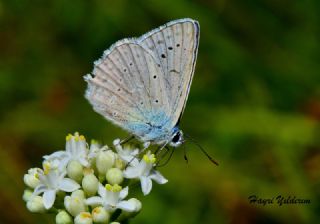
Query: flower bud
<point x="83" y="218"/>
<point x="35" y="204"/>
<point x="137" y="203"/>
<point x="79" y="194"/>
<point x="75" y="170"/>
<point x="63" y="218"/>
<point x="114" y="176"/>
<point x="117" y="144"/>
<point x="120" y="164"/>
<point x="90" y="184"/>
<point x="75" y="203"/>
<point x="104" y="161"/>
<point x="31" y="179"/>
<point x="125" y="214"/>
<point x="100" y="215"/>
<point x="26" y="195"/>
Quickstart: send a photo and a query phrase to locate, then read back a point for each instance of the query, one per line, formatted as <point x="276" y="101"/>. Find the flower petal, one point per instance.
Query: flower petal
<point x="40" y="189"/>
<point x="126" y="205"/>
<point x="68" y="185"/>
<point x="123" y="193"/>
<point x="63" y="163"/>
<point x="157" y="177"/>
<point x="102" y="190"/>
<point x="94" y="201"/>
<point x="49" y="197"/>
<point x="131" y="172"/>
<point x="84" y="162"/>
<point x="146" y="184"/>
<point x="55" y="155"/>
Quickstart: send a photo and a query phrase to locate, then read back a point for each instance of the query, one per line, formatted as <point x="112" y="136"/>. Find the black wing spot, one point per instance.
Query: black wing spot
<point x="159" y="65"/>
<point x="156" y="101"/>
<point x="125" y="70"/>
<point x="178" y="45"/>
<point x="154" y="76"/>
<point x="141" y="103"/>
<point x="163" y="56"/>
<point x="160" y="42"/>
<point x="130" y="64"/>
<point x="170" y="48"/>
<point x="119" y="90"/>
<point x="174" y="71"/>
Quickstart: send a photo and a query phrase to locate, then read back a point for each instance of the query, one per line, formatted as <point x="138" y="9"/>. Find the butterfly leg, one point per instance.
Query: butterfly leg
<point x="127" y="139"/>
<point x="164" y="155"/>
<point x="145" y="146"/>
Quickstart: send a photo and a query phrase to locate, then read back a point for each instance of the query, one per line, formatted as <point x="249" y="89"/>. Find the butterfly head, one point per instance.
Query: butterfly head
<point x="177" y="138"/>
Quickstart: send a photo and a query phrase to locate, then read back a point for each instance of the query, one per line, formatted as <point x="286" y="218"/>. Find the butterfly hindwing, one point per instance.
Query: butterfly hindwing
<point x="125" y="88"/>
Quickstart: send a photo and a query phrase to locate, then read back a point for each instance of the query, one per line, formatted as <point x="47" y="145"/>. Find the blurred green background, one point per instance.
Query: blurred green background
<point x="254" y="104"/>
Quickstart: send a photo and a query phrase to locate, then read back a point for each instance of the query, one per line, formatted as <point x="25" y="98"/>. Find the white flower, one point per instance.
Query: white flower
<point x="35" y="204"/>
<point x="114" y="176"/>
<point x="75" y="170"/>
<point x="31" y="179"/>
<point x="27" y="195"/>
<point x="126" y="153"/>
<point x="104" y="161"/>
<point x="63" y="218"/>
<point x="100" y="215"/>
<point x="111" y="198"/>
<point x="76" y="149"/>
<point x="90" y="183"/>
<point x="83" y="218"/>
<point x="95" y="148"/>
<point x="75" y="203"/>
<point x="145" y="172"/>
<point x="137" y="203"/>
<point x="51" y="181"/>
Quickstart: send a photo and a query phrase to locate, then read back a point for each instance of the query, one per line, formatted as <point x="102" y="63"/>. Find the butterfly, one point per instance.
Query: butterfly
<point x="142" y="84"/>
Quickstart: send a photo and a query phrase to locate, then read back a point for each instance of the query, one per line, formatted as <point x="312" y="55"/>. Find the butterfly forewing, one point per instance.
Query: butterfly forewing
<point x="142" y="84"/>
<point x="175" y="47"/>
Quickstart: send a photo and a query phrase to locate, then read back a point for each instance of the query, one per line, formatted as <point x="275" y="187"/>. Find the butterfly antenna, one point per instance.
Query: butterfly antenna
<point x="185" y="154"/>
<point x="202" y="149"/>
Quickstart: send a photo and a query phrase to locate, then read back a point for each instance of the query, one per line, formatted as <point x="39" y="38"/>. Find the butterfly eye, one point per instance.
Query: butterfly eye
<point x="176" y="137"/>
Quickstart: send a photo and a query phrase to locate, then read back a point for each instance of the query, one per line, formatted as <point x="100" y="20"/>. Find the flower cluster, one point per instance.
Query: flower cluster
<point x="90" y="183"/>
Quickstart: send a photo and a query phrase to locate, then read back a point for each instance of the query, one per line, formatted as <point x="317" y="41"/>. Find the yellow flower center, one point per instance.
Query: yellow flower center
<point x="46" y="168"/>
<point x="93" y="141"/>
<point x="114" y="188"/>
<point x="149" y="158"/>
<point x="76" y="137"/>
<point x="69" y="136"/>
<point x="96" y="210"/>
<point x="85" y="215"/>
